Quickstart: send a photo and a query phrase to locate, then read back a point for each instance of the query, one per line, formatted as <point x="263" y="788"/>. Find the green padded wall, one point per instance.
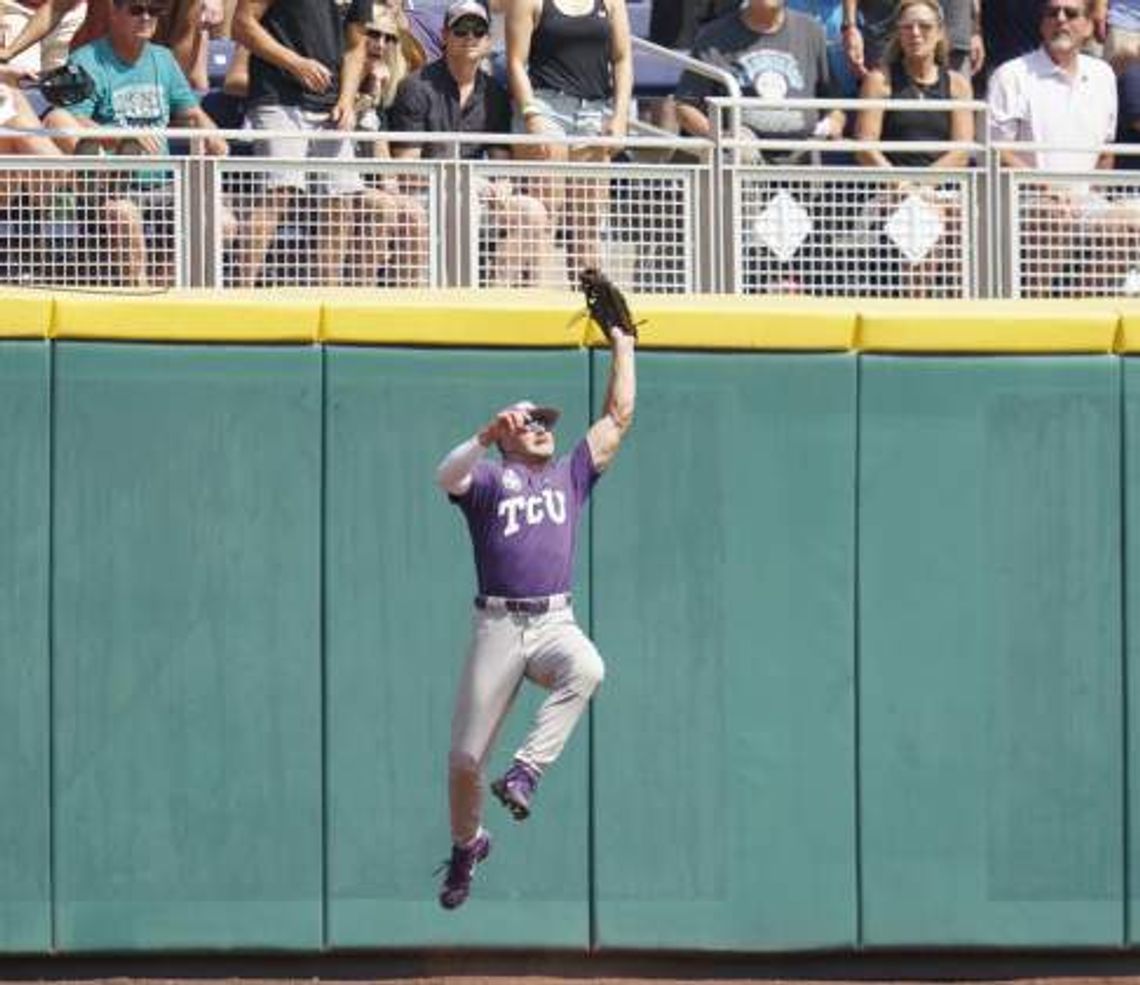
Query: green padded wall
<point x="187" y="789"/>
<point x="724" y="607"/>
<point x="990" y="651"/>
<point x="25" y="908"/>
<point x="399" y="584"/>
<point x="1130" y="370"/>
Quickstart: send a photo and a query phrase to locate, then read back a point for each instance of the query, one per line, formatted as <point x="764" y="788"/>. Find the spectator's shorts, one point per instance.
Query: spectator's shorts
<point x="570" y="116"/>
<point x="329" y="181"/>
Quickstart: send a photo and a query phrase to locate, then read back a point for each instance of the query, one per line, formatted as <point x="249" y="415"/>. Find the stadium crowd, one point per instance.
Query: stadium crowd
<point x="309" y="72"/>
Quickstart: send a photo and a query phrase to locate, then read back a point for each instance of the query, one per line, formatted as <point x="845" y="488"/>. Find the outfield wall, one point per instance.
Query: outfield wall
<point x="861" y="577"/>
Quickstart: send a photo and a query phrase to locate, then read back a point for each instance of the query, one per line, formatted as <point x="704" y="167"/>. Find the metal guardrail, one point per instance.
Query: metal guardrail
<point x="676" y="215"/>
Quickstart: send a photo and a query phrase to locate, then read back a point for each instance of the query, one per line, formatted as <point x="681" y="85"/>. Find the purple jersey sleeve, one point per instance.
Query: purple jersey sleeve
<point x="583" y="472"/>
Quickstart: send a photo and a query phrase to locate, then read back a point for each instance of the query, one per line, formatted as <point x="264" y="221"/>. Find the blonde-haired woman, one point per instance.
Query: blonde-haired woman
<point x="394" y="231"/>
<point x="915" y="66"/>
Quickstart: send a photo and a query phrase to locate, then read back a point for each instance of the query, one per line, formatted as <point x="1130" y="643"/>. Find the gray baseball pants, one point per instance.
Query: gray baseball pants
<point x="550" y="650"/>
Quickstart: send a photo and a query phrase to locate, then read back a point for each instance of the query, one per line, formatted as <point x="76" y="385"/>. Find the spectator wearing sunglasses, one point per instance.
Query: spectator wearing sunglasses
<point x="178" y="27"/>
<point x="306" y="64"/>
<point x="1056" y="95"/>
<point x="394" y="252"/>
<point x="137" y="84"/>
<point x="454" y="95"/>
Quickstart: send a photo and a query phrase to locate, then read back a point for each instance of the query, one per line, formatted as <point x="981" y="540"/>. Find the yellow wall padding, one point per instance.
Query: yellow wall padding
<point x="987" y="326"/>
<point x="697" y="321"/>
<point x="554" y="318"/>
<point x="557" y="319"/>
<point x="455" y="318"/>
<point x="25" y="315"/>
<point x="190" y="316"/>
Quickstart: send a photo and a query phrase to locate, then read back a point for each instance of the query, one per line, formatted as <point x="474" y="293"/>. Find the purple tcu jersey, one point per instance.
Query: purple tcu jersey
<point x="523" y="522"/>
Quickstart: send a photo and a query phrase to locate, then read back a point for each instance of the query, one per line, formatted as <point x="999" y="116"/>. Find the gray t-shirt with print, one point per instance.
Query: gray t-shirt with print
<point x="790" y="63"/>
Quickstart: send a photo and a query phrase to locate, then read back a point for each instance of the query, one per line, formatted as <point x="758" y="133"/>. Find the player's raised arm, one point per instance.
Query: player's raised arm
<point x="604" y="436"/>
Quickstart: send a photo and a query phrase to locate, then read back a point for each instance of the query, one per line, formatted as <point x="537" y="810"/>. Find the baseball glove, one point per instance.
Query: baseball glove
<point x="606" y="303"/>
<point x="64" y="86"/>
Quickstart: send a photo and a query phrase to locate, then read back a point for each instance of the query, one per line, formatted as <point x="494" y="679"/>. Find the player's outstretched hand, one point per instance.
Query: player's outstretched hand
<point x="606" y="304"/>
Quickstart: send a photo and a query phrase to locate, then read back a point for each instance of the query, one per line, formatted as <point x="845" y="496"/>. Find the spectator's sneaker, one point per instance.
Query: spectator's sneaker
<point x="460" y="870"/>
<point x="515" y="789"/>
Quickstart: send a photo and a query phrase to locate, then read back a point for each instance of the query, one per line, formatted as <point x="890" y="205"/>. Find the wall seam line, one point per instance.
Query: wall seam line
<point x="53" y="779"/>
<point x="856" y="654"/>
<point x="322" y="639"/>
<point x="1126" y="881"/>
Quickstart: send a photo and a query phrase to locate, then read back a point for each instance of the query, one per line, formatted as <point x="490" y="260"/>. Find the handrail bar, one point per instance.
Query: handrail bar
<point x="695" y="65"/>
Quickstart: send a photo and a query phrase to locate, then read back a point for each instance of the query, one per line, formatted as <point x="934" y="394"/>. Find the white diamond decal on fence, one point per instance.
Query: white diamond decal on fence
<point x="782" y="226"/>
<point x="914" y="227"/>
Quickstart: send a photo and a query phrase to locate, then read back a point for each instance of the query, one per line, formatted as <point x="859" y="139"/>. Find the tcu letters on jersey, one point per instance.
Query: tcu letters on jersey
<point x="523" y="523"/>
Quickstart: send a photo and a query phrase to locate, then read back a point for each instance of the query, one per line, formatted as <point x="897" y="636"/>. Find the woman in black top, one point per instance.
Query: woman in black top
<point x="914" y="67"/>
<point x="570" y="69"/>
<point x="923" y="220"/>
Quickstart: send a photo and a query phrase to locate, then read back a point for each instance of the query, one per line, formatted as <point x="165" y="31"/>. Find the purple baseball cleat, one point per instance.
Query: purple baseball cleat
<point x="515" y="789"/>
<point x="461" y="869"/>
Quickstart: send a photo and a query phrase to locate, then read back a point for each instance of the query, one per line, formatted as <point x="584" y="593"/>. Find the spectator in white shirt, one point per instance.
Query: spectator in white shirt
<point x="1056" y="95"/>
<point x="1069" y="235"/>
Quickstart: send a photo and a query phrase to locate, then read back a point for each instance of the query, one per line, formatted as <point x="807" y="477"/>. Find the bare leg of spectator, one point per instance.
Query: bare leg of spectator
<point x="550" y="191"/>
<point x="586" y="201"/>
<point x="410" y="243"/>
<point x="526" y="239"/>
<point x="60" y="119"/>
<point x="257" y="234"/>
<point x="332" y="239"/>
<point x="374" y="212"/>
<point x="127" y="245"/>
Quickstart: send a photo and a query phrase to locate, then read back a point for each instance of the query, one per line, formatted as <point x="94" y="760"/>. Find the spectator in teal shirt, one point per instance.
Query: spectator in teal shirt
<point x="138" y="84"/>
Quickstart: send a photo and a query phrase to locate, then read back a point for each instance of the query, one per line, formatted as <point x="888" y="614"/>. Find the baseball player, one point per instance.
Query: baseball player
<point x="523" y="513"/>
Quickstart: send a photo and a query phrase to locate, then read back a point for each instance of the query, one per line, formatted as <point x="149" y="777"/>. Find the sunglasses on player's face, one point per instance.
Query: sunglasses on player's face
<point x="383" y="36"/>
<point x="469" y="28"/>
<point x="536" y="425"/>
<point x="1068" y="13"/>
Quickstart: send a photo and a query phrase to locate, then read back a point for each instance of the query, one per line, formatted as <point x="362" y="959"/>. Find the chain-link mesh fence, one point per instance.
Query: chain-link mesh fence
<point x="540" y="226"/>
<point x="1073" y="235"/>
<point x="91" y="223"/>
<point x="853" y="232"/>
<point x="359" y="224"/>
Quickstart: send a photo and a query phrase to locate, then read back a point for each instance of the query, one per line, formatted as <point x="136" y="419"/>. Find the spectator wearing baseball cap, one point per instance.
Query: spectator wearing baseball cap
<point x="453" y="95"/>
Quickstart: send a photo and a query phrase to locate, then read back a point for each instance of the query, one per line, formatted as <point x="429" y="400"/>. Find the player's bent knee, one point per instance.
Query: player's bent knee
<point x="590" y="672"/>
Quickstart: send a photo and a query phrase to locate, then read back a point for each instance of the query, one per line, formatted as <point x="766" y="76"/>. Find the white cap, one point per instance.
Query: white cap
<point x="466" y="8"/>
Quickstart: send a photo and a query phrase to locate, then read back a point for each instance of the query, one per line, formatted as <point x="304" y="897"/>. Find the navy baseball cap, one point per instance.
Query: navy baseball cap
<point x="548" y="415"/>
